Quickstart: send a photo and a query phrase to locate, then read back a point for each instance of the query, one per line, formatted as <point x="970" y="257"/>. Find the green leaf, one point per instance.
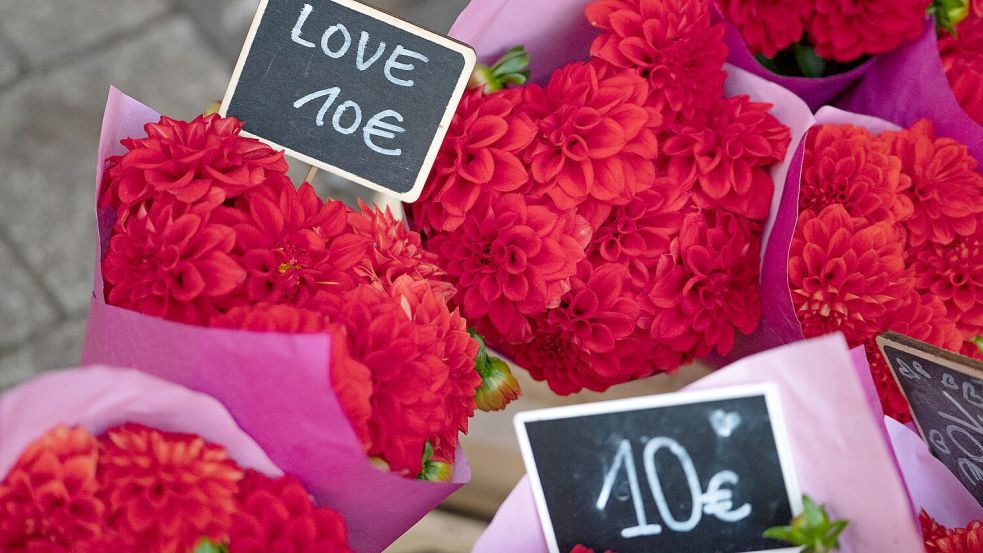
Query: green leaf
<point x="809" y="62"/>
<point x="979" y="343"/>
<point x="813" y="529"/>
<point x="949" y="13"/>
<point x="510" y="69"/>
<point x="206" y="545"/>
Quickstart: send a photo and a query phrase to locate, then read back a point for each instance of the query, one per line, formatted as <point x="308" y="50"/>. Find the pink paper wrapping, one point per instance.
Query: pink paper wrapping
<point x="98" y="398"/>
<point x="276" y="386"/>
<point x="909" y="84"/>
<point x="840" y="456"/>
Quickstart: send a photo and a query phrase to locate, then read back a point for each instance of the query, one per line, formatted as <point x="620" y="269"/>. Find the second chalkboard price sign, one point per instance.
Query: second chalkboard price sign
<point x="945" y="391"/>
<point x="349" y="89"/>
<point x="692" y="472"/>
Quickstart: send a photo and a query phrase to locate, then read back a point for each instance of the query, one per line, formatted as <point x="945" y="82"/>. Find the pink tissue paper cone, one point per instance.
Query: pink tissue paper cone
<point x="98" y="398"/>
<point x="779" y="324"/>
<point x="909" y="84"/>
<point x="555" y="32"/>
<point x="276" y="386"/>
<point x="838" y="449"/>
<point x="816" y="92"/>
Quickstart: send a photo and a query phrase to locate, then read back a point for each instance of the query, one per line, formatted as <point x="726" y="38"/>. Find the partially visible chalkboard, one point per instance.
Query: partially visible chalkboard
<point x="687" y="472"/>
<point x="350" y="89"/>
<point x="945" y="391"/>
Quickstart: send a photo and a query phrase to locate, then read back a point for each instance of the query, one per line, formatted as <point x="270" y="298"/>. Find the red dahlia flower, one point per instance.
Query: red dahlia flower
<point x="173" y="262"/>
<point x="596" y="138"/>
<point x="48" y="499"/>
<point x="455" y="347"/>
<point x="383" y="357"/>
<point x="953" y="272"/>
<point x="846" y="274"/>
<point x="845" y="30"/>
<point x="726" y="152"/>
<point x="707" y="285"/>
<point x="584" y="549"/>
<point x="276" y="515"/>
<point x="513" y="260"/>
<point x="480" y="154"/>
<point x="846" y="165"/>
<point x="939" y="539"/>
<point x="269" y="317"/>
<point x="962" y="59"/>
<point x="394" y="250"/>
<point x="923" y="317"/>
<point x="768" y="26"/>
<point x="672" y="43"/>
<point x="638" y="233"/>
<point x="946" y="188"/>
<point x="187" y="160"/>
<point x="167" y="490"/>
<point x="292" y="244"/>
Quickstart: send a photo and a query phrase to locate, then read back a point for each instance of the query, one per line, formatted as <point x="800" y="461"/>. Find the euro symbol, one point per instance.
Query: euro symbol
<point x="719" y="502"/>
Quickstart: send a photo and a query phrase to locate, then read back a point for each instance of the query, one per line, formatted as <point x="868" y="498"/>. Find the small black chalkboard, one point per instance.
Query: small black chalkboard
<point x="945" y="391"/>
<point x="690" y="472"/>
<point x="349" y="89"/>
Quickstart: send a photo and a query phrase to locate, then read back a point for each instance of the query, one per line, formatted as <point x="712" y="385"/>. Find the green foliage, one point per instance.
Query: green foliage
<point x="813" y="529"/>
<point x="949" y="13"/>
<point x="206" y="545"/>
<point x="511" y="69"/>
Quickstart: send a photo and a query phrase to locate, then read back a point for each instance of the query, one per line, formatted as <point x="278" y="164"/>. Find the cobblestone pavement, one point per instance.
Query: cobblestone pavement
<point x="57" y="60"/>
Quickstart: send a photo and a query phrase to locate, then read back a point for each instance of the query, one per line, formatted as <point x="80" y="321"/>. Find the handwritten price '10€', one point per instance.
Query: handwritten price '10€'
<point x="716" y="501"/>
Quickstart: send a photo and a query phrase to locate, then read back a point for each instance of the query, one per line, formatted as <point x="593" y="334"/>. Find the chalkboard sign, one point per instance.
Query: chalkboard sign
<point x="945" y="391"/>
<point x="686" y="472"/>
<point x="349" y="89"/>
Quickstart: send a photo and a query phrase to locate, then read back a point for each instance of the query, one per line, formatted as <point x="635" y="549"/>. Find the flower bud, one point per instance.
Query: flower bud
<point x="498" y="386"/>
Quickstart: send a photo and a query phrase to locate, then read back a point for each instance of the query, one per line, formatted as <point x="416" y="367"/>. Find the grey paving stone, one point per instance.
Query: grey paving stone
<point x="225" y="21"/>
<point x="57" y="347"/>
<point x="43" y="30"/>
<point x="50" y="134"/>
<point x="8" y="64"/>
<point x="23" y="306"/>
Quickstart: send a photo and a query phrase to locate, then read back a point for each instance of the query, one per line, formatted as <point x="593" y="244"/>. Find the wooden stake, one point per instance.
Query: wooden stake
<point x="310" y="174"/>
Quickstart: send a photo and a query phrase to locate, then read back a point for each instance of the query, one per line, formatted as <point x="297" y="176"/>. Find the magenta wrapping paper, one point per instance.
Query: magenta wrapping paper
<point x="838" y="447"/>
<point x="276" y="386"/>
<point x="98" y="398"/>
<point x="909" y="84"/>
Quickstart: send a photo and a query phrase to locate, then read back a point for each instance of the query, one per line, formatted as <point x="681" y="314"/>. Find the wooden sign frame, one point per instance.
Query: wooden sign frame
<point x="948" y="359"/>
<point x="470" y="60"/>
<point x="768" y="390"/>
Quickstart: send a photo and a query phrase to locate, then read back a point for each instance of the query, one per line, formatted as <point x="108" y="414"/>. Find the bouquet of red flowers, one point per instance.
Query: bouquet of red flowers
<point x="884" y="235"/>
<point x="116" y="460"/>
<point x="327" y="332"/>
<point x="962" y="58"/>
<point x="606" y="225"/>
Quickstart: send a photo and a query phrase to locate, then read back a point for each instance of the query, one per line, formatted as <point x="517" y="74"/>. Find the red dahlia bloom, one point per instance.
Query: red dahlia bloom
<point x="595" y="312"/>
<point x="269" y="317"/>
<point x="292" y="244"/>
<point x="707" y="286"/>
<point x="672" y="43"/>
<point x="186" y="160"/>
<point x="173" y="262"/>
<point x="514" y="260"/>
<point x="456" y="348"/>
<point x="962" y="59"/>
<point x="394" y="250"/>
<point x="846" y="165"/>
<point x="726" y="152"/>
<point x="639" y="232"/>
<point x="48" y="499"/>
<point x="384" y="358"/>
<point x="953" y="272"/>
<point x="596" y="138"/>
<point x="584" y="549"/>
<point x="924" y="318"/>
<point x="846" y="274"/>
<point x="946" y="188"/>
<point x="480" y="154"/>
<point x="845" y="30"/>
<point x="165" y="489"/>
<point x="939" y="539"/>
<point x="276" y="515"/>
<point x="768" y="26"/>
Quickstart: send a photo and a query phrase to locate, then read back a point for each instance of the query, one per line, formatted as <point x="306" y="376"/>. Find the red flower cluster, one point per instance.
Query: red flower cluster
<point x="211" y="232"/>
<point x="939" y="539"/>
<point x="139" y="489"/>
<point x="840" y="30"/>
<point x="606" y="226"/>
<point x="887" y="240"/>
<point x="962" y="59"/>
<point x="584" y="549"/>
